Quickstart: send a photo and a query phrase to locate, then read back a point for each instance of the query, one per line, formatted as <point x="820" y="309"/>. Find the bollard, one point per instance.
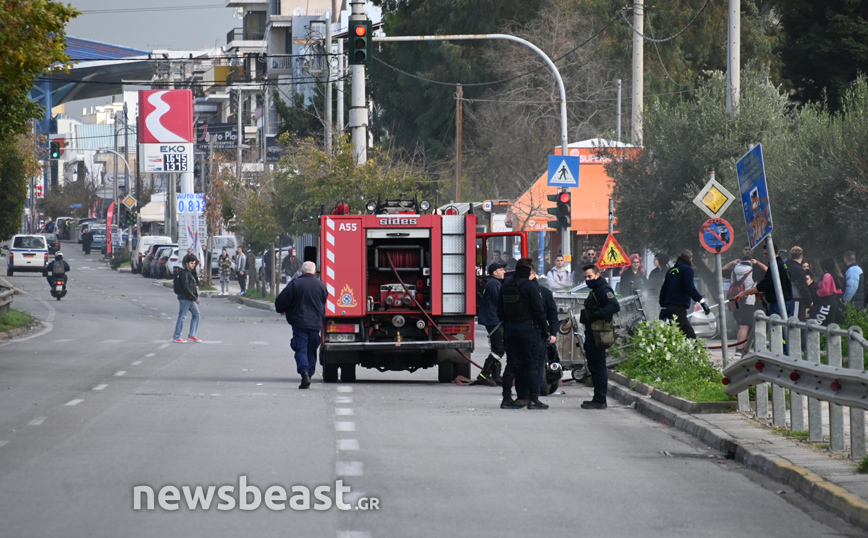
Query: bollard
<point x="762" y="389"/>
<point x="856" y="356"/>
<point x="815" y="407"/>
<point x="797" y="401"/>
<point x="836" y="412"/>
<point x="776" y="345"/>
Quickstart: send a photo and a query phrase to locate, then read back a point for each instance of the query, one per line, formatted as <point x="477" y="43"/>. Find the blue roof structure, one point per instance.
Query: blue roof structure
<point x="87" y="49"/>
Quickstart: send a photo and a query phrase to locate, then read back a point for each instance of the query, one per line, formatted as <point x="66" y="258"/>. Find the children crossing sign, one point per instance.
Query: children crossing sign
<point x="612" y="255"/>
<point x="563" y="171"/>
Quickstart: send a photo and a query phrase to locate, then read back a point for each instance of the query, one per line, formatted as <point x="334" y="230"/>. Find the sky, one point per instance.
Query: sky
<point x="182" y="25"/>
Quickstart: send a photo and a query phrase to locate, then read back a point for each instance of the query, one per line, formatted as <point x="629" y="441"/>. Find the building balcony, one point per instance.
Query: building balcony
<point x="237" y="38"/>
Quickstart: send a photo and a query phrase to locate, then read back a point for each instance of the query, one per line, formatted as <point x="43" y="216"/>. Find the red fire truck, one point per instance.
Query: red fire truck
<point x="402" y="287"/>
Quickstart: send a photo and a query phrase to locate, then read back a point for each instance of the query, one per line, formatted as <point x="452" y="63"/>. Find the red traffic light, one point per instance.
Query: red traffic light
<point x="564" y="197"/>
<point x="361" y="31"/>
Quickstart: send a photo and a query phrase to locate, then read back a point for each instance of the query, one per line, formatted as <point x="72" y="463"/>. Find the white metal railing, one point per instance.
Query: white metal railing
<point x="801" y="372"/>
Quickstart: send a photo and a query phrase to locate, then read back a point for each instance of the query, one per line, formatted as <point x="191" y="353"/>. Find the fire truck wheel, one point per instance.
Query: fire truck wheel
<point x="445" y="372"/>
<point x="348" y="373"/>
<point x="330" y="373"/>
<point x="462" y="369"/>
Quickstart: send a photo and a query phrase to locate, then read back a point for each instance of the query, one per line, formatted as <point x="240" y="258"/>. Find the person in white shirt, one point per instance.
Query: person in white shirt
<point x="558" y="278"/>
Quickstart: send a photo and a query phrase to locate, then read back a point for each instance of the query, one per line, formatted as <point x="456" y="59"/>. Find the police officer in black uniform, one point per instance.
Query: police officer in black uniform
<point x="600" y="305"/>
<point x="677" y="291"/>
<point x="523" y="315"/>
<point x="551" y="310"/>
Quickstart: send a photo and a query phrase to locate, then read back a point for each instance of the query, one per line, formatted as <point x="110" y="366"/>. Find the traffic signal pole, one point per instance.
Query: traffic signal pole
<point x="358" y="110"/>
<point x="565" y="232"/>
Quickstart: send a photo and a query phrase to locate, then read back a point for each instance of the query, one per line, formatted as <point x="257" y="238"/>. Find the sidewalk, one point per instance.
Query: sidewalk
<point x="828" y="479"/>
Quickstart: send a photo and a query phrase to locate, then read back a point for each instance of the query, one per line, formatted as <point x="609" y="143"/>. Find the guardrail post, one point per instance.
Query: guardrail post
<point x="744" y="396"/>
<point x="797" y="401"/>
<point x="761" y="344"/>
<point x="815" y="407"/>
<point x="836" y="412"/>
<point x="856" y="356"/>
<point x="776" y="346"/>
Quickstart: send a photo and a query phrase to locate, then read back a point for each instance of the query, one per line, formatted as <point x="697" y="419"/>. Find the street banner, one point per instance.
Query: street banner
<point x="191" y="223"/>
<point x="108" y="228"/>
<point x="754" y="195"/>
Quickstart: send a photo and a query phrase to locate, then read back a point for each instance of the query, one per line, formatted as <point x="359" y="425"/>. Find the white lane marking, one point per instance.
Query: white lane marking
<point x="64" y="340"/>
<point x="354" y="534"/>
<point x="257" y="343"/>
<point x="349" y="468"/>
<point x="344" y="411"/>
<point x="73" y="402"/>
<point x="345" y="426"/>
<point x="157" y="341"/>
<point x="345" y="388"/>
<point x="163" y="314"/>
<point x="212" y="341"/>
<point x="120" y="373"/>
<point x="37" y="421"/>
<point x="344" y="399"/>
<point x="100" y="387"/>
<point x="136" y="363"/>
<point x="111" y="341"/>
<point x="165" y="345"/>
<point x="4" y="443"/>
<point x="348" y="444"/>
<point x="150" y="354"/>
<point x="134" y="300"/>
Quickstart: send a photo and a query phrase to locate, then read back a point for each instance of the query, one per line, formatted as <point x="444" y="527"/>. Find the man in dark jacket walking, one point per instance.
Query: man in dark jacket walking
<point x="303" y="301"/>
<point x="490" y="374"/>
<point x="600" y="305"/>
<point x="188" y="299"/>
<point x="677" y="291"/>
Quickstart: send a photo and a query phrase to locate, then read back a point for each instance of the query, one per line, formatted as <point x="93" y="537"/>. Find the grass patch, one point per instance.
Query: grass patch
<point x="863" y="466"/>
<point x="660" y="355"/>
<point x="207" y="287"/>
<point x="254" y="294"/>
<point x="798" y="435"/>
<point x="14" y="319"/>
<point x="120" y="259"/>
<point x="823" y="446"/>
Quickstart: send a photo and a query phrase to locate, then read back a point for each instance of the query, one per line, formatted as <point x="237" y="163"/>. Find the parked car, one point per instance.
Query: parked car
<point x="219" y="242"/>
<point x="53" y="242"/>
<point x="149" y="262"/>
<point x="158" y="266"/>
<point x="144" y="244"/>
<point x="27" y="253"/>
<point x="173" y="264"/>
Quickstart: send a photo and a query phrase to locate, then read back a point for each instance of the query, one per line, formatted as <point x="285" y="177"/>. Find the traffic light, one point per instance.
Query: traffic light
<point x="360" y="42"/>
<point x="54" y="150"/>
<point x="562" y="210"/>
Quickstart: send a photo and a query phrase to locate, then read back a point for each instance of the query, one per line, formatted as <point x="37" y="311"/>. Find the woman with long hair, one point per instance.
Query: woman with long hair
<point x="827" y="308"/>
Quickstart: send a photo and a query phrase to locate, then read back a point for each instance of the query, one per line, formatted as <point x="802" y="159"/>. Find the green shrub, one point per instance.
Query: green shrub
<point x="659" y="354"/>
<point x="14" y="319"/>
<point x="119" y="259"/>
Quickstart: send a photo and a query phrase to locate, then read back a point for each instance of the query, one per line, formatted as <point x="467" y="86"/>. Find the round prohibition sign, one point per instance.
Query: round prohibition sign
<point x="716" y="235"/>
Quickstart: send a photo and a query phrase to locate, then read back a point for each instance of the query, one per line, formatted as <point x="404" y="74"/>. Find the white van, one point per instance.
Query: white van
<point x="229" y="242"/>
<point x="145" y="243"/>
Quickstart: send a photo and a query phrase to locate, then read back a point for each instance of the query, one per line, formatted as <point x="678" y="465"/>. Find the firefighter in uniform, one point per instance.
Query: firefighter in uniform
<point x="523" y="315"/>
<point x="600" y="305"/>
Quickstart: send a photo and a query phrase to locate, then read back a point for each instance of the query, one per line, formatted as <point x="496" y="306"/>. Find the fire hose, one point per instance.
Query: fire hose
<point x="430" y="321"/>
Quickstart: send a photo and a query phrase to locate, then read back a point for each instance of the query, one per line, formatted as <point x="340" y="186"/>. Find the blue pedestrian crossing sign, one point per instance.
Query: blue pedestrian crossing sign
<point x="563" y="171"/>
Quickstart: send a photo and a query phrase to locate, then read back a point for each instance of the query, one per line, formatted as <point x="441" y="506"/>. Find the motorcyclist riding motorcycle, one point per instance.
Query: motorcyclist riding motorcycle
<point x="57" y="273"/>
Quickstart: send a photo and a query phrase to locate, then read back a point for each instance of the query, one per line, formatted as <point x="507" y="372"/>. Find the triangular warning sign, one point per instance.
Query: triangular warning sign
<point x="563" y="176"/>
<point x="612" y="255"/>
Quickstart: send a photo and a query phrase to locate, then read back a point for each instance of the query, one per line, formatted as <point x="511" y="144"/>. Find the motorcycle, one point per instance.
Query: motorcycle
<point x="58" y="287"/>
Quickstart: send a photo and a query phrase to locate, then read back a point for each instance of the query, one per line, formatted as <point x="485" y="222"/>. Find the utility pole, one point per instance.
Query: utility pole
<point x="329" y="83"/>
<point x="358" y="110"/>
<point x="459" y="96"/>
<point x="733" y="58"/>
<point x="240" y="137"/>
<point x="619" y="110"/>
<point x="638" y="75"/>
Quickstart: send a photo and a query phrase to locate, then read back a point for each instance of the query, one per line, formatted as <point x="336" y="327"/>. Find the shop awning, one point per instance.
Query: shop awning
<point x="153" y="212"/>
<point x="590" y="200"/>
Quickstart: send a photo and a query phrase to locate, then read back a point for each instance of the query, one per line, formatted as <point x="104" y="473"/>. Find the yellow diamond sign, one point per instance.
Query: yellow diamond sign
<point x="129" y="201"/>
<point x="713" y="199"/>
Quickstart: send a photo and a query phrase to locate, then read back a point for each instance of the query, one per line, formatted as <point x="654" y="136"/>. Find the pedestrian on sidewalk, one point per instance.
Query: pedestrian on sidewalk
<point x="224" y="266"/>
<point x="241" y="269"/>
<point x="302" y="301"/>
<point x="188" y="299"/>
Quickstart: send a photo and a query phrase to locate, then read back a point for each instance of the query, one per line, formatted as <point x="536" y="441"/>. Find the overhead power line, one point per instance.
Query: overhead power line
<point x="673" y="36"/>
<point x="144" y="9"/>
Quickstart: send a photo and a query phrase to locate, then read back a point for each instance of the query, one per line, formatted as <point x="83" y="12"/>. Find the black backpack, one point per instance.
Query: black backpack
<point x="57" y="268"/>
<point x="176" y="283"/>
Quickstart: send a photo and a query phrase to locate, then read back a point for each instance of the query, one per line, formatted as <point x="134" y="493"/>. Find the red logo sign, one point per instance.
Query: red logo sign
<point x="165" y="116"/>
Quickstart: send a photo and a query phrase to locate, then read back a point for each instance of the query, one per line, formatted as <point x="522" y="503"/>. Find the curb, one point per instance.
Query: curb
<point x="812" y="486"/>
<point x="19" y="331"/>
<point x="682" y="404"/>
<point x="253" y="303"/>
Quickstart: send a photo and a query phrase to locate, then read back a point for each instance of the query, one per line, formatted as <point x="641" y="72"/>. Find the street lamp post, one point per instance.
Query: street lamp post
<point x="109" y="237"/>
